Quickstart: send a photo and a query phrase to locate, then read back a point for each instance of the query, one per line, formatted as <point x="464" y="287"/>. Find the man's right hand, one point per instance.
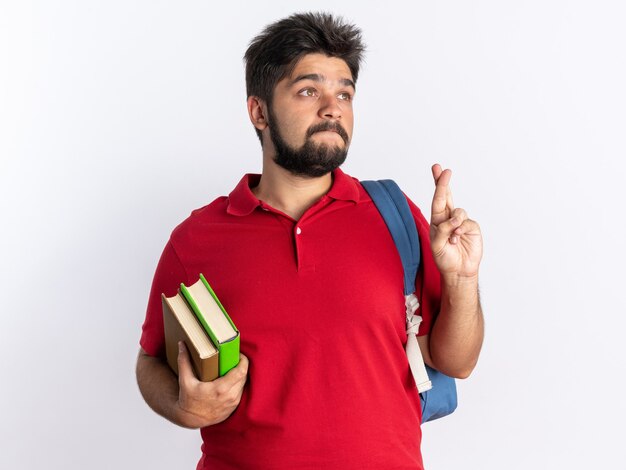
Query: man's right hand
<point x="202" y="404"/>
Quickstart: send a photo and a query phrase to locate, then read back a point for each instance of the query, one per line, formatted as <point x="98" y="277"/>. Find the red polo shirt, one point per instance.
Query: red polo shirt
<point x="320" y="308"/>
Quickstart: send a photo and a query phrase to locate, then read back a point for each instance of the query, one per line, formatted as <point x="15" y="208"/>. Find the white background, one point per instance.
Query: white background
<point x="117" y="118"/>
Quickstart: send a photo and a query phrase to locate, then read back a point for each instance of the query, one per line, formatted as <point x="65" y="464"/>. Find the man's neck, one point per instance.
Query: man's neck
<point x="288" y="193"/>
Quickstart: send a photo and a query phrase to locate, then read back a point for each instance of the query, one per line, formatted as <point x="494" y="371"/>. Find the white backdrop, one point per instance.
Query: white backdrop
<point x="117" y="118"/>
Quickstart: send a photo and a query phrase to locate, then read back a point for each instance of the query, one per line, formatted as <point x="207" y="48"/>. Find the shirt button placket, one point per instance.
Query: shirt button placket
<point x="305" y="263"/>
<point x="298" y="243"/>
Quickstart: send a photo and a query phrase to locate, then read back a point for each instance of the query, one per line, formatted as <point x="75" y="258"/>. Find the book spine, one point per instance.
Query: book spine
<point x="229" y="354"/>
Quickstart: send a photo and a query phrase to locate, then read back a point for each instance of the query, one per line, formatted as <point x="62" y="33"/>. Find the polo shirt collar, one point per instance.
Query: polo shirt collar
<point x="241" y="201"/>
<point x="344" y="187"/>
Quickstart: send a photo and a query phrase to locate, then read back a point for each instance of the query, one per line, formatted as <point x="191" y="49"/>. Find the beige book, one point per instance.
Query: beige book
<point x="181" y="324"/>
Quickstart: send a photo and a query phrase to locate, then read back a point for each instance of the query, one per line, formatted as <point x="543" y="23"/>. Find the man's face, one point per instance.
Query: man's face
<point x="310" y="118"/>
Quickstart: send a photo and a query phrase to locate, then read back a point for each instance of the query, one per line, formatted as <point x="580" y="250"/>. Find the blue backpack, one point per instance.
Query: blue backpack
<point x="441" y="399"/>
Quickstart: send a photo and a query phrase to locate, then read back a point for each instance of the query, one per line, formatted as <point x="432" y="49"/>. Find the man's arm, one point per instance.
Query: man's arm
<point x="456" y="338"/>
<point x="185" y="400"/>
<point x="458" y="333"/>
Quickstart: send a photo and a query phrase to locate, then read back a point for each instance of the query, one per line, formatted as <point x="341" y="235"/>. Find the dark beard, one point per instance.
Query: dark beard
<point x="311" y="159"/>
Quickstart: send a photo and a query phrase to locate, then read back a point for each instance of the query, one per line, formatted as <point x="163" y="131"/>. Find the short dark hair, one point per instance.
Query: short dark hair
<point x="273" y="54"/>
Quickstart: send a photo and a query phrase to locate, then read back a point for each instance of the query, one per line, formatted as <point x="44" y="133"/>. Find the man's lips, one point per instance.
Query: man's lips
<point x="329" y="128"/>
<point x="328" y="138"/>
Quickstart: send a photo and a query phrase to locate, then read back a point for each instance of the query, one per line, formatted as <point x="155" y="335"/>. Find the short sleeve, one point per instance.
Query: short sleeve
<point x="170" y="273"/>
<point x="428" y="280"/>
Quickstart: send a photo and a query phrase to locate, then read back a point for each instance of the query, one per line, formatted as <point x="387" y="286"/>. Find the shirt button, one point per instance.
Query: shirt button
<point x="298" y="230"/>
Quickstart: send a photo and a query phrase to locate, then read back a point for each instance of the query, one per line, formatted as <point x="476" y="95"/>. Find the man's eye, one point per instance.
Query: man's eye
<point x="310" y="92"/>
<point x="345" y="96"/>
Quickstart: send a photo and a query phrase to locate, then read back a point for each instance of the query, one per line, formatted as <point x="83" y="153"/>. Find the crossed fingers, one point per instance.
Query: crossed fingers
<point x="448" y="220"/>
<point x="442" y="205"/>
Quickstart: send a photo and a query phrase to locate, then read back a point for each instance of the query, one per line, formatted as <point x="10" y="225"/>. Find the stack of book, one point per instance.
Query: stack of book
<point x="196" y="316"/>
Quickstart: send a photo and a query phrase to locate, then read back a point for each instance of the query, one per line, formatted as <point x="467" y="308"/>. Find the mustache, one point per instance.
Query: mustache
<point x="328" y="126"/>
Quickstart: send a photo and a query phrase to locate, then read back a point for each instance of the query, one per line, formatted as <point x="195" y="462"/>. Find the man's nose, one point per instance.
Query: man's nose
<point x="330" y="107"/>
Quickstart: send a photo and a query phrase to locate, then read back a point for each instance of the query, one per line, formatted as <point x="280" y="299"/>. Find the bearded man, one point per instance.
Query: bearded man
<point x="305" y="265"/>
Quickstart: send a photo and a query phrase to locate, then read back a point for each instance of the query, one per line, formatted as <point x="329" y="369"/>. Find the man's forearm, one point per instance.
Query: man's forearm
<point x="457" y="335"/>
<point x="159" y="387"/>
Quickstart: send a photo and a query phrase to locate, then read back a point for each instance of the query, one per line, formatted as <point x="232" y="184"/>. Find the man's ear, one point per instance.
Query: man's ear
<point x="257" y="112"/>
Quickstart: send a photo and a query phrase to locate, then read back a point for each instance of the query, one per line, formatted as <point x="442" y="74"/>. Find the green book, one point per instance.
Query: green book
<point x="215" y="321"/>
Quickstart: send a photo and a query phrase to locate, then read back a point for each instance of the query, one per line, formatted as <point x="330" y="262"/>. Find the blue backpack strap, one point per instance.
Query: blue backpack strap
<point x="394" y="208"/>
<point x="441" y="400"/>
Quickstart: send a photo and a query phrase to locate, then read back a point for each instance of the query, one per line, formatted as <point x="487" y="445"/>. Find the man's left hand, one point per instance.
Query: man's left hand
<point x="456" y="240"/>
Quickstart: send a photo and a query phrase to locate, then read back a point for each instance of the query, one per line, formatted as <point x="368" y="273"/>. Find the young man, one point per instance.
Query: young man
<point x="305" y="266"/>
